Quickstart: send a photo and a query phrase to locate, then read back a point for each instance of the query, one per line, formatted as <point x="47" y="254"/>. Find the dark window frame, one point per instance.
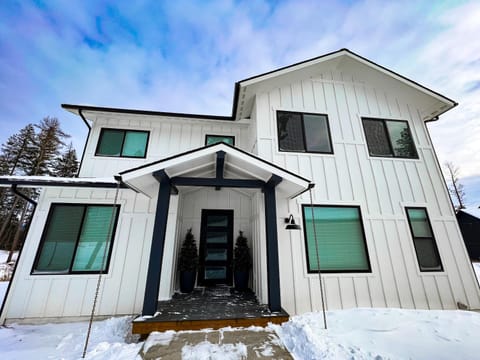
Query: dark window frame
<point x="219" y="135"/>
<point x="434" y="241"/>
<point x="102" y="130"/>
<point x="303" y="133"/>
<point x="389" y="140"/>
<point x="33" y="271"/>
<point x="309" y="270"/>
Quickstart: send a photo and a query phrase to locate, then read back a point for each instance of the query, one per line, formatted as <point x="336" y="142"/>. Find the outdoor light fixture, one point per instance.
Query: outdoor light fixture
<point x="291" y="223"/>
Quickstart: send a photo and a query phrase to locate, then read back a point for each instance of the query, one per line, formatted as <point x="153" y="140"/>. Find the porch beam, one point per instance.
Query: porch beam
<point x="158" y="243"/>
<point x="274" y="301"/>
<point x="214" y="182"/>
<point x="220" y="165"/>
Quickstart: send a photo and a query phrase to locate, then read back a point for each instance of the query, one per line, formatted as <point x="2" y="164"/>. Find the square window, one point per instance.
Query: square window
<point x="75" y="238"/>
<point x="339" y="241"/>
<point x="303" y="132"/>
<point x="423" y="240"/>
<point x="122" y="143"/>
<point x="389" y="138"/>
<point x="215" y="139"/>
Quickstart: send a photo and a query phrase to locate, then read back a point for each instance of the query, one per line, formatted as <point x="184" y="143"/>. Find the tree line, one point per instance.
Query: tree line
<point x="36" y="150"/>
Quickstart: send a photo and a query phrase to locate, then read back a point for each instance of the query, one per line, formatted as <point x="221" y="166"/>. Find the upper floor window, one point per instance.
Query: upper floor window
<point x="390" y="138"/>
<point x="423" y="240"/>
<point x="75" y="239"/>
<point x="302" y="132"/>
<point x="122" y="143"/>
<point x="337" y="243"/>
<point x="214" y="139"/>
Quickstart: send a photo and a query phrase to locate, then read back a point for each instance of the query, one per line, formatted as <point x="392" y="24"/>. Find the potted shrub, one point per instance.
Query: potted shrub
<point x="187" y="263"/>
<point x="241" y="263"/>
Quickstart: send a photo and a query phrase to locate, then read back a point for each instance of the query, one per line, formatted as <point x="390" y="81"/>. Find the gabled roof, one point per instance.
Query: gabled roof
<point x="202" y="163"/>
<point x="246" y="89"/>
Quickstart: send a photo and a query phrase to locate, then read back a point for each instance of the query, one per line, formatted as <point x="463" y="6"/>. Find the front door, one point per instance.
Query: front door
<point x="216" y="247"/>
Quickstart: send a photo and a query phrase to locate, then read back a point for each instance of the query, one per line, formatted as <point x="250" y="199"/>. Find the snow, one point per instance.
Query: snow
<point x="476" y="267"/>
<point x="55" y="179"/>
<point x="3" y="290"/>
<point x="352" y="334"/>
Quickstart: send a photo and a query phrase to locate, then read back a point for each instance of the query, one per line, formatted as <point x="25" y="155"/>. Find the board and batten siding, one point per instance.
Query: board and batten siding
<point x="168" y="137"/>
<point x="381" y="186"/>
<point x="71" y="296"/>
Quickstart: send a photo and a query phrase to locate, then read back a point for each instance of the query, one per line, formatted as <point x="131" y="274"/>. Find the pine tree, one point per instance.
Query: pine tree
<point x="455" y="188"/>
<point x="188" y="259"/>
<point x="66" y="165"/>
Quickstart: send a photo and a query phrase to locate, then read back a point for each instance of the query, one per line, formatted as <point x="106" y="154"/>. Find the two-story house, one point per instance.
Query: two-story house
<point x="337" y="142"/>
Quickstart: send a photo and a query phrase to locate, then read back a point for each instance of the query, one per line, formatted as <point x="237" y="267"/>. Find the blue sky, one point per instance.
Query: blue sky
<point x="185" y="56"/>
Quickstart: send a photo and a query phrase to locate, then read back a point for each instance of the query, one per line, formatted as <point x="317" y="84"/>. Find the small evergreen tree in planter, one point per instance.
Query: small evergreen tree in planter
<point x="241" y="263"/>
<point x="187" y="263"/>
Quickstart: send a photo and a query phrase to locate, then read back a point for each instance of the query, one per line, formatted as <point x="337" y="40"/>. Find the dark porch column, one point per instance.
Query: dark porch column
<point x="158" y="242"/>
<point x="274" y="302"/>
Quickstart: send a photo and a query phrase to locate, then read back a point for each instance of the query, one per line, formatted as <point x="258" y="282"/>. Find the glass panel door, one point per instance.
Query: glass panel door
<point x="216" y="247"/>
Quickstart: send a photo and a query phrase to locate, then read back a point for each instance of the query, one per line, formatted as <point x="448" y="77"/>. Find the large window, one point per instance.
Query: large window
<point x="302" y="132"/>
<point x="423" y="240"/>
<point x="214" y="139"/>
<point x="340" y="239"/>
<point x="75" y="237"/>
<point x="122" y="143"/>
<point x="389" y="138"/>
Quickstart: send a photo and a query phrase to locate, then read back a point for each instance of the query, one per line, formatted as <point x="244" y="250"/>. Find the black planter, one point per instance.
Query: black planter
<point x="241" y="280"/>
<point x="187" y="281"/>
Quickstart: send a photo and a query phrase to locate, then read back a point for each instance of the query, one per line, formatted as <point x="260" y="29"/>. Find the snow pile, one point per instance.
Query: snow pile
<point x="6" y="270"/>
<point x="207" y="350"/>
<point x="66" y="341"/>
<point x="383" y="334"/>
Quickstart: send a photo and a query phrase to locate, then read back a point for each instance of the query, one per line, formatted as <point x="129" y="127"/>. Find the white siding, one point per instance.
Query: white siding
<point x="382" y="187"/>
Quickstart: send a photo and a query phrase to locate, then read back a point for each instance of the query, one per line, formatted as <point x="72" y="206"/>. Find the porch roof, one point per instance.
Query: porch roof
<point x="238" y="169"/>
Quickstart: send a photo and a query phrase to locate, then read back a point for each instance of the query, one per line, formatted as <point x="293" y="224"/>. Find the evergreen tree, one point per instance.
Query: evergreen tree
<point x="66" y="165"/>
<point x="242" y="260"/>
<point x="15" y="149"/>
<point x="188" y="259"/>
<point x="455" y="188"/>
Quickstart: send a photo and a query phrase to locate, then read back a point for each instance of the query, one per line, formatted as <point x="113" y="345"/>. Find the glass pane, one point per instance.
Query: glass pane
<point x="401" y="139"/>
<point x="93" y="238"/>
<point x="217" y="220"/>
<point x="213" y="139"/>
<point x="290" y="131"/>
<point x="217" y="237"/>
<point x="377" y="140"/>
<point x="419" y="221"/>
<point x="216" y="254"/>
<point x="135" y="143"/>
<point x="110" y="142"/>
<point x="340" y="239"/>
<point x="215" y="272"/>
<point x="59" y="243"/>
<point x="427" y="255"/>
<point x="316" y="133"/>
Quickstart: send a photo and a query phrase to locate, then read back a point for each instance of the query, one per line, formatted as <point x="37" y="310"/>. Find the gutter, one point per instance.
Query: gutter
<point x="80" y="112"/>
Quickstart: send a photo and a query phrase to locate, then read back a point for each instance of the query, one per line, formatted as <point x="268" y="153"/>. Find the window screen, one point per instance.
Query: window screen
<point x="340" y="239"/>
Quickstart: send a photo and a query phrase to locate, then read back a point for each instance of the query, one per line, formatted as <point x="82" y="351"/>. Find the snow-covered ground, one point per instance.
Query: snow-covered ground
<point x="352" y="334"/>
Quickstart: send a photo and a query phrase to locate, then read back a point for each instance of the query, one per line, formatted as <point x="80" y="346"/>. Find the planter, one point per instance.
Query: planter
<point x="187" y="281"/>
<point x="241" y="280"/>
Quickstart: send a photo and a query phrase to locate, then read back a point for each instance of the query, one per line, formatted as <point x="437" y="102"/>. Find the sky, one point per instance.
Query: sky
<point x="185" y="56"/>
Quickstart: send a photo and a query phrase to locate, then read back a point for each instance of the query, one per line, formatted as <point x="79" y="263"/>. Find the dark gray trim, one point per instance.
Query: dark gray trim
<point x="46" y="183"/>
<point x="23" y="196"/>
<point x="86" y="140"/>
<point x="220" y="166"/>
<point x="214" y="182"/>
<point x="158" y="243"/>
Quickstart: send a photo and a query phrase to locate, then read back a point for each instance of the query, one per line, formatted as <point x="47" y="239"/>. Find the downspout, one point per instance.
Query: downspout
<point x="27" y="228"/>
<point x="86" y="141"/>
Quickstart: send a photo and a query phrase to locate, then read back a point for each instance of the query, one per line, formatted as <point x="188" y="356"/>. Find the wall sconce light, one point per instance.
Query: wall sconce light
<point x="291" y="223"/>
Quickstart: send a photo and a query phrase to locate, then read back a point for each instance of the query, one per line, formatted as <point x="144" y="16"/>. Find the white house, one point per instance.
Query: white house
<point x="336" y="141"/>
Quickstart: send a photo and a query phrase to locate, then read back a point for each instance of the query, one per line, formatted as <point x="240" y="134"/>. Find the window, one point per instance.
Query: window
<point x="423" y="240"/>
<point x="301" y="132"/>
<point x="390" y="138"/>
<point x="214" y="139"/>
<point x="74" y="239"/>
<point x="122" y="143"/>
<point x="340" y="238"/>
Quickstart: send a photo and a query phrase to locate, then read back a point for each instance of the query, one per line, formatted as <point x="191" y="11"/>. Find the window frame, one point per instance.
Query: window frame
<point x="220" y="135"/>
<point x="309" y="270"/>
<point x="389" y="140"/>
<point x="303" y="133"/>
<point x="100" y="136"/>
<point x="35" y="272"/>
<point x="434" y="241"/>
